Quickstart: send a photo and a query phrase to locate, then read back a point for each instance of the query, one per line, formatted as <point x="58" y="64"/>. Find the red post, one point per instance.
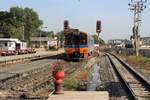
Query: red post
<point x="58" y="75"/>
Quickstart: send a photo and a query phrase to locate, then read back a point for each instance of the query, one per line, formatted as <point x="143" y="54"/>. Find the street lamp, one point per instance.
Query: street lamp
<point x="23" y="38"/>
<point x="23" y="28"/>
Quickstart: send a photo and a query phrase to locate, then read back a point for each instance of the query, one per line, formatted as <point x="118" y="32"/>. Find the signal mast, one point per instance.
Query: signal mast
<point x="98" y="30"/>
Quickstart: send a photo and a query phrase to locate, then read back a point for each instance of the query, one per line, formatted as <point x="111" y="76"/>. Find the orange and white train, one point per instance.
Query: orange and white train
<point x="78" y="45"/>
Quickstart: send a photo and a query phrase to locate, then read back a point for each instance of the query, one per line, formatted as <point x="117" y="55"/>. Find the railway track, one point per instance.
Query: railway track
<point x="137" y="87"/>
<point x="32" y="83"/>
<point x="33" y="79"/>
<point x="110" y="80"/>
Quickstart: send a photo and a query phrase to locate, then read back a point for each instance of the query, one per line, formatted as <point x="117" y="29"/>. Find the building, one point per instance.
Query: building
<point x="38" y="42"/>
<point x="145" y="42"/>
<point x="118" y="43"/>
<point x="43" y="42"/>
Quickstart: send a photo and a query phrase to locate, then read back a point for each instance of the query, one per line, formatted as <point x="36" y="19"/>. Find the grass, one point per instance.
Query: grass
<point x="83" y="74"/>
<point x="72" y="83"/>
<point x="140" y="61"/>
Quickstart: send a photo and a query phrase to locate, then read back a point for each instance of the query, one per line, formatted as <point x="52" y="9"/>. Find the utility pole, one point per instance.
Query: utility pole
<point x="137" y="6"/>
<point x="23" y="28"/>
<point x="40" y="38"/>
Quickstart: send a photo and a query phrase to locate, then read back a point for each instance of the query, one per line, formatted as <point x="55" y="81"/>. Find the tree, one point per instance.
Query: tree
<point x="50" y="34"/>
<point x="102" y="42"/>
<point x="41" y="33"/>
<point x="17" y="27"/>
<point x="19" y="23"/>
<point x="6" y="21"/>
<point x="32" y="23"/>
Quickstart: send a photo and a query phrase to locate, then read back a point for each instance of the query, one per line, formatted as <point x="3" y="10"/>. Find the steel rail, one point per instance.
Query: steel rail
<point x="132" y="70"/>
<point x="137" y="76"/>
<point x="125" y="84"/>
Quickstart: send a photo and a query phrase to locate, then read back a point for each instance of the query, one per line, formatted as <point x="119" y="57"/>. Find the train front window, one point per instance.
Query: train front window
<point x="73" y="39"/>
<point x="83" y="39"/>
<point x="68" y="39"/>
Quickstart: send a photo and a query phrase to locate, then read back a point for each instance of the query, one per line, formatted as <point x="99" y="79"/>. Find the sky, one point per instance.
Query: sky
<point x="116" y="18"/>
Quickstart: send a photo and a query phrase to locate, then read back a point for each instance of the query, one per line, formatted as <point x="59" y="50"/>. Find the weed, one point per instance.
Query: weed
<point x="70" y="84"/>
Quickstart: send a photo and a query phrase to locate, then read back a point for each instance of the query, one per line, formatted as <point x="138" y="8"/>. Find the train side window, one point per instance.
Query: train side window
<point x="5" y="43"/>
<point x="83" y="41"/>
<point x="10" y="44"/>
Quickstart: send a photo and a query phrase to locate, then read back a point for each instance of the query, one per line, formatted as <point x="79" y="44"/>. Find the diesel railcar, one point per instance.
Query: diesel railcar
<point x="78" y="45"/>
<point x="12" y="46"/>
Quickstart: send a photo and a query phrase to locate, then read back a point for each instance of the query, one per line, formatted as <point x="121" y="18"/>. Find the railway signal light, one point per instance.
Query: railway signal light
<point x="98" y="26"/>
<point x="66" y="25"/>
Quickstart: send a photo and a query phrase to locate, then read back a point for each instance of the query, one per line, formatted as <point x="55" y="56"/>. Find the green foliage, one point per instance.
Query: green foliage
<point x="70" y="84"/>
<point x="6" y="21"/>
<point x="102" y="42"/>
<point x="50" y="34"/>
<point x="140" y="61"/>
<point x="18" y="21"/>
<point x="40" y="33"/>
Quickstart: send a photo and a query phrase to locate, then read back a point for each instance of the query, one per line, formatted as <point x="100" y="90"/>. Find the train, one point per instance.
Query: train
<point x="12" y="46"/>
<point x="78" y="45"/>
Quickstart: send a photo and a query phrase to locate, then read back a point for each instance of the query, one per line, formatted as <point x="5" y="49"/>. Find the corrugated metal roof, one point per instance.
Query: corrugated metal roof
<point x="40" y="39"/>
<point x="10" y="40"/>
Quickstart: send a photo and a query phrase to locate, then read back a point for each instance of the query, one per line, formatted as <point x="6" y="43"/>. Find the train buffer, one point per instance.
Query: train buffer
<point x="81" y="95"/>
